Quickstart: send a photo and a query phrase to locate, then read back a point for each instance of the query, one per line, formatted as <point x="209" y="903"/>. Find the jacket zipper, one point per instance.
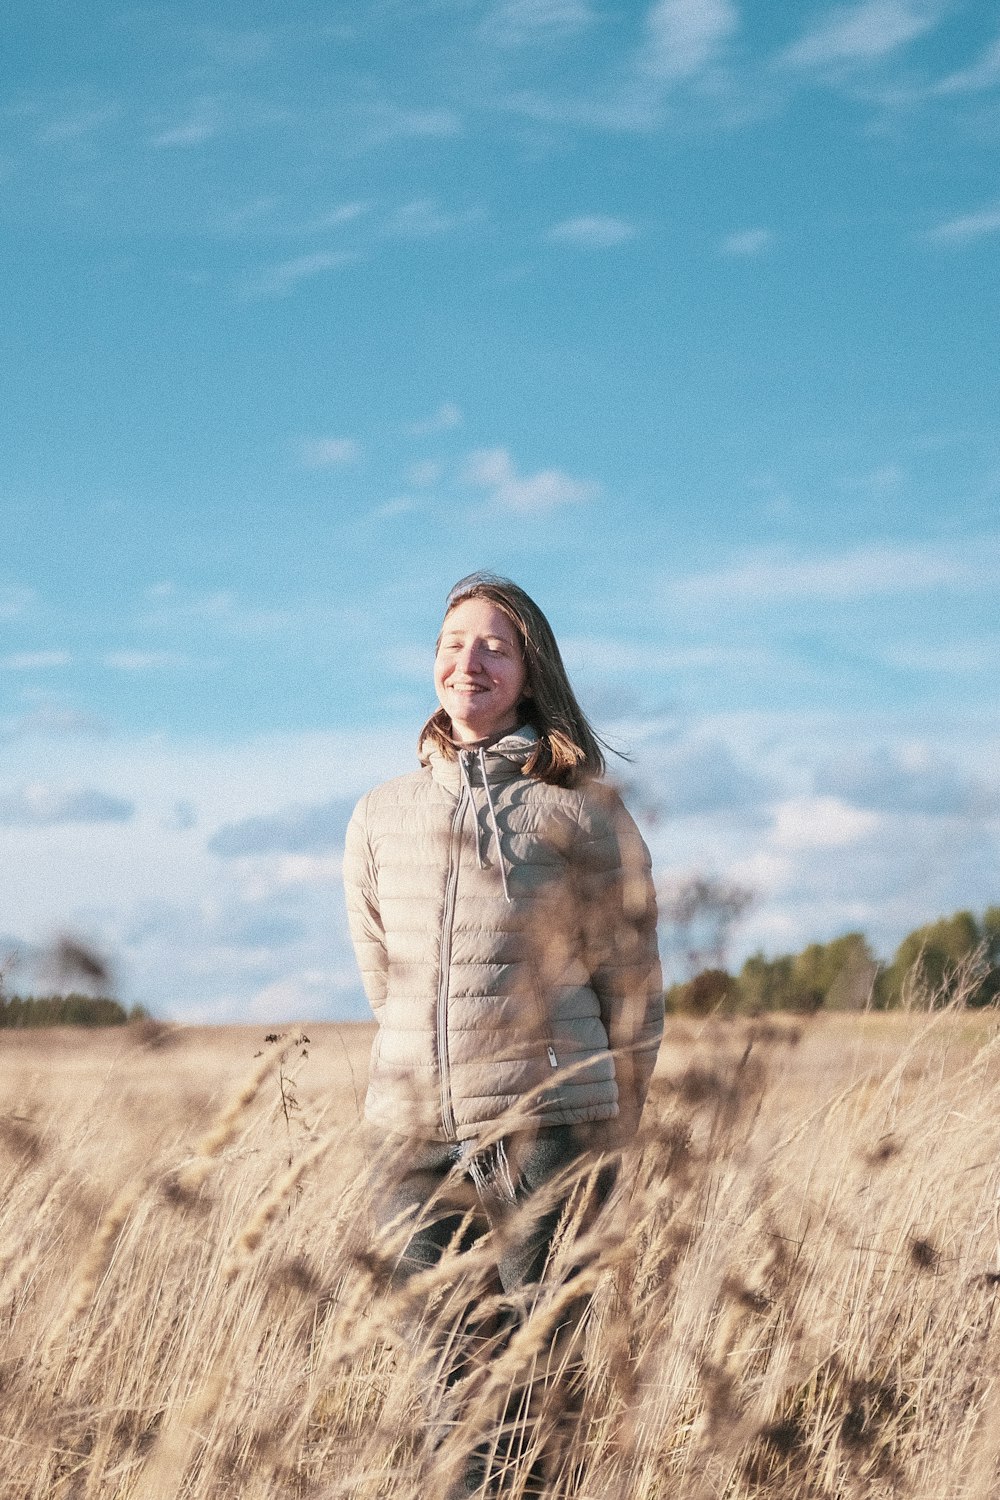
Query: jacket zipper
<point x="444" y="972"/>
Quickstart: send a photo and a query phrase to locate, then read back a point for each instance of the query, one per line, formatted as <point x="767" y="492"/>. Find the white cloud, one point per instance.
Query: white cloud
<point x="447" y="417"/>
<point x="281" y="280"/>
<point x="878" y="840"/>
<point x="683" y="37"/>
<point x="492" y="469"/>
<point x="863" y="573"/>
<point x="746" y="243"/>
<point x="30" y="661"/>
<point x="820" y="823"/>
<point x="38" y="804"/>
<point x="862" y="33"/>
<point x="522" y="23"/>
<point x="327" y="453"/>
<point x="596" y="231"/>
<point x="967" y="227"/>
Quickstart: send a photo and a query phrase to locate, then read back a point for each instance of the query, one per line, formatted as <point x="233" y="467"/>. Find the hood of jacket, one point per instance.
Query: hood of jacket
<point x="504" y="760"/>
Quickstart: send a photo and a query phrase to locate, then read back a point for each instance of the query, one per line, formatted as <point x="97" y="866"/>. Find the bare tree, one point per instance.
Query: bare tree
<point x="700" y="912"/>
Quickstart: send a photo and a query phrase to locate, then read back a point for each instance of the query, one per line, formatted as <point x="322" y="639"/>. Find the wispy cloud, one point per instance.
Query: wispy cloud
<point x="423" y="218"/>
<point x="329" y="452"/>
<point x="906" y="778"/>
<point x="683" y="37"/>
<point x="594" y="231"/>
<point x="147" y="661"/>
<point x="270" y="216"/>
<point x="862" y="573"/>
<point x="200" y="124"/>
<point x="423" y="473"/>
<point x="524" y="23"/>
<point x="600" y="655"/>
<point x="315" y="829"/>
<point x="966" y="227"/>
<point x="492" y="469"/>
<point x="15" y="601"/>
<point x="281" y="280"/>
<point x="862" y="33"/>
<point x="69" y="128"/>
<point x="747" y="243"/>
<point x="221" y="610"/>
<point x="50" y="721"/>
<point x="447" y="416"/>
<point x="389" y="122"/>
<point x="30" y="661"/>
<point x="40" y="805"/>
<point x="970" y="656"/>
<point x="984" y="73"/>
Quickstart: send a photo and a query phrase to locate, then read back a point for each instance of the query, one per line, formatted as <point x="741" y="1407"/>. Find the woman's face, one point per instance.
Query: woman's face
<point x="479" y="671"/>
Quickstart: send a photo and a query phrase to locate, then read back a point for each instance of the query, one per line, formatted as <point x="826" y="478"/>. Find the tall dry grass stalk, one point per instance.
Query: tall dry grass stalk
<point x="794" y="1293"/>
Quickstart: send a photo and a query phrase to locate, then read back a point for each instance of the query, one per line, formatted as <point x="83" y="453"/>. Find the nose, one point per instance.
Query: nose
<point x="470" y="658"/>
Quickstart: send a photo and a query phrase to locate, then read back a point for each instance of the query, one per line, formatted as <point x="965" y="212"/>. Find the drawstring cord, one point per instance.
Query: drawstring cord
<point x="492" y="812"/>
<point x="493" y="820"/>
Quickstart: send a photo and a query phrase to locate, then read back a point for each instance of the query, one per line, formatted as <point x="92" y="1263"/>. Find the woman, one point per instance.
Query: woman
<point x="503" y="917"/>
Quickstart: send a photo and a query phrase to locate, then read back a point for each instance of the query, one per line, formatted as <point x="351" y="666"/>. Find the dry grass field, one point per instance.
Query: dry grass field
<point x="794" y="1295"/>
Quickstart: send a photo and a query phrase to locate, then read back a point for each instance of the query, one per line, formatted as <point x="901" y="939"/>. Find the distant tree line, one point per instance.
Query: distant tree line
<point x="80" y="978"/>
<point x="846" y="975"/>
<point x="17" y="1011"/>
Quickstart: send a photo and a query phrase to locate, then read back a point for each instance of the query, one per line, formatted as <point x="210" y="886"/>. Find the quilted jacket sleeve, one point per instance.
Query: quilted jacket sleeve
<point x="364" y="920"/>
<point x="619" y="923"/>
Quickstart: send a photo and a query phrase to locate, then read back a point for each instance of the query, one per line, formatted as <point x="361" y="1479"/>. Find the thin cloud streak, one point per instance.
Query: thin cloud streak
<point x="745" y="244"/>
<point x="523" y="23"/>
<point x="867" y="572"/>
<point x="447" y="417"/>
<point x="31" y="661"/>
<point x="861" y="33"/>
<point x="966" y="227"/>
<point x="983" y="74"/>
<point x="328" y="453"/>
<point x="593" y="231"/>
<point x="282" y="279"/>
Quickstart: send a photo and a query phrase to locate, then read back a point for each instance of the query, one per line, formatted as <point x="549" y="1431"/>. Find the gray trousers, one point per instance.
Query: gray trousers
<point x="438" y="1182"/>
<point x="454" y="1193"/>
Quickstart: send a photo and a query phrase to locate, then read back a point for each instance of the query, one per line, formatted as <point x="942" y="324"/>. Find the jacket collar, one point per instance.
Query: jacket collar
<point x="504" y="759"/>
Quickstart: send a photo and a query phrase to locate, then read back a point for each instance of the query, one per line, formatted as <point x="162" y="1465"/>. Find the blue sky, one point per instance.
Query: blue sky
<point x="683" y="314"/>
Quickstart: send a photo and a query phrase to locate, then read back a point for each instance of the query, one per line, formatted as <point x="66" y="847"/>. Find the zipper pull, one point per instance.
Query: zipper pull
<point x="553" y="1060"/>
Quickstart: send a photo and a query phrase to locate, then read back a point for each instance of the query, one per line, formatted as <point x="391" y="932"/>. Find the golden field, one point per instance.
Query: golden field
<point x="794" y="1294"/>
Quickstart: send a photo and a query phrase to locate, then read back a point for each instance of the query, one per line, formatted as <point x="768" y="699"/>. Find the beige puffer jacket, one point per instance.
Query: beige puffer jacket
<point x="505" y="930"/>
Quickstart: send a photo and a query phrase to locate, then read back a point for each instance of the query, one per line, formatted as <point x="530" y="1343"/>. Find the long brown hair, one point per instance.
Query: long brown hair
<point x="568" y="750"/>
